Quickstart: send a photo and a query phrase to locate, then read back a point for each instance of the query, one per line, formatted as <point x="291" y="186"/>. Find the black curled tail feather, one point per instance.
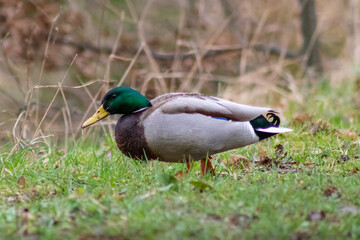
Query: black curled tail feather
<point x="273" y="118"/>
<point x="270" y="119"/>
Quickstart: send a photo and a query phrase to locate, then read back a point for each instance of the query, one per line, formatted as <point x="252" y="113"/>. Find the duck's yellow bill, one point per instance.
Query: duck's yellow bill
<point x="100" y="114"/>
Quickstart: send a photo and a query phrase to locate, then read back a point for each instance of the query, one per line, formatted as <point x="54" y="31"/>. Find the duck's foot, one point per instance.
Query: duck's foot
<point x="180" y="173"/>
<point x="206" y="167"/>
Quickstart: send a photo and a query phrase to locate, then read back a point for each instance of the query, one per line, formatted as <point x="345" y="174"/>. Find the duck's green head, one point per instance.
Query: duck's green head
<point x="119" y="100"/>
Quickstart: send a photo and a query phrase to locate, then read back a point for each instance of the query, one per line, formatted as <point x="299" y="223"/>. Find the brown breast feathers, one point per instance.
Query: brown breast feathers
<point x="130" y="138"/>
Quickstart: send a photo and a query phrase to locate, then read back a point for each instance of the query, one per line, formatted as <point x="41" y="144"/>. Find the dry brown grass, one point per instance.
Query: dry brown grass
<point x="49" y="88"/>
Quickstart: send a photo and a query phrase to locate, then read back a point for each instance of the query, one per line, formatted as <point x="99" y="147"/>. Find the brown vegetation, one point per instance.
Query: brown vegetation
<point x="59" y="57"/>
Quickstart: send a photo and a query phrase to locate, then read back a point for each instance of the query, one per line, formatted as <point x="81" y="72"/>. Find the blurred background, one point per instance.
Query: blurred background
<point x="58" y="58"/>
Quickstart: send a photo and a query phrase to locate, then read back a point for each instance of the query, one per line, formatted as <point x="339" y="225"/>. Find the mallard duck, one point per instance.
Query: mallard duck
<point x="178" y="127"/>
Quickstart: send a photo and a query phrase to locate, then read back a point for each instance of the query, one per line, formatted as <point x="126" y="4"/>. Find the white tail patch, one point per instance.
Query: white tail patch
<point x="274" y="130"/>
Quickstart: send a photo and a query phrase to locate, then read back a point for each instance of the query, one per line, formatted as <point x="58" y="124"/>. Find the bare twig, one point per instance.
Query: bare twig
<point x="185" y="84"/>
<point x="176" y="62"/>
<point x="17" y="142"/>
<point x="55" y="116"/>
<point x="130" y="65"/>
<point x="210" y="52"/>
<point x="99" y="35"/>
<point x="47" y="110"/>
<point x="53" y="21"/>
<point x="74" y="87"/>
<point x="142" y="38"/>
<point x="113" y="51"/>
<point x="67" y="112"/>
<point x="91" y="105"/>
<point x="66" y="127"/>
<point x="13" y="73"/>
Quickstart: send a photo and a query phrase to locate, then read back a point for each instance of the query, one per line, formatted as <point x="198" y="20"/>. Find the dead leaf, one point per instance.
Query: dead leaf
<point x="332" y="190"/>
<point x="350" y="209"/>
<point x="300" y="236"/>
<point x="302" y="118"/>
<point x="146" y="195"/>
<point x="21" y="182"/>
<point x="319" y="125"/>
<point x="35" y="193"/>
<point x="13" y="198"/>
<point x="314" y="127"/>
<point x="213" y="217"/>
<point x="26" y="215"/>
<point x="236" y="161"/>
<point x="315" y="216"/>
<point x="346" y="133"/>
<point x="279" y="151"/>
<point x="323" y="124"/>
<point x="239" y="220"/>
<point x="264" y="158"/>
<point x="51" y="192"/>
<point x="309" y="164"/>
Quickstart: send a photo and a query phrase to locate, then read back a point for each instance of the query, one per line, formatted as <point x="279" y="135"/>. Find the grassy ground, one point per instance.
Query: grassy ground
<point x="298" y="185"/>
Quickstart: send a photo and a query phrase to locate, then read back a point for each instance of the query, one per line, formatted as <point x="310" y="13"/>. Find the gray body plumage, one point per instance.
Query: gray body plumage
<point x="173" y="137"/>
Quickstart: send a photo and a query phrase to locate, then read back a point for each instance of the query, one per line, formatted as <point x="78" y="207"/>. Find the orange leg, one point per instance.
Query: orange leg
<point x="189" y="165"/>
<point x="205" y="166"/>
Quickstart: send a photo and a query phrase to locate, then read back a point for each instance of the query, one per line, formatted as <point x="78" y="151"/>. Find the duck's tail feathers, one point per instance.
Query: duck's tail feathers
<point x="267" y="125"/>
<point x="274" y="130"/>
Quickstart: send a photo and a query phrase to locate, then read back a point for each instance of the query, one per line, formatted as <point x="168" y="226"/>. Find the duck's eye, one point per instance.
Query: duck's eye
<point x="113" y="96"/>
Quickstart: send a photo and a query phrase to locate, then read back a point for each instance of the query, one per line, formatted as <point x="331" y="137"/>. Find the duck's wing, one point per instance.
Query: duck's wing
<point x="206" y="105"/>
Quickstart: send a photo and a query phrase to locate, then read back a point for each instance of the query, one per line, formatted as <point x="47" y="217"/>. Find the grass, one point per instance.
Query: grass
<point x="309" y="190"/>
